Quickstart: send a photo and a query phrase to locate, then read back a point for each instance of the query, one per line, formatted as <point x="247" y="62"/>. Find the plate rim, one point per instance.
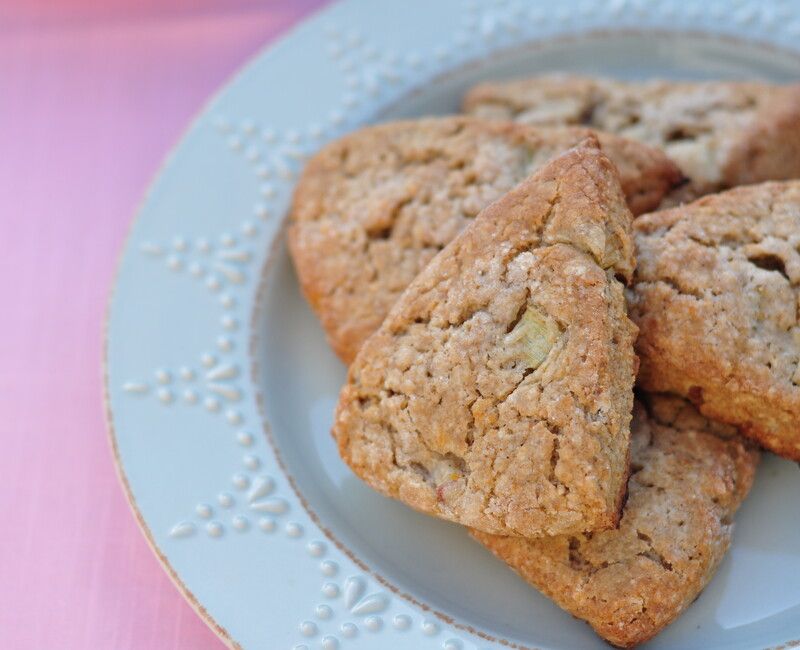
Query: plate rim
<point x="124" y="248"/>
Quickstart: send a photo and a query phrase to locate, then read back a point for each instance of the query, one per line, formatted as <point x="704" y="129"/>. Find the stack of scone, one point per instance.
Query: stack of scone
<point x="491" y="284"/>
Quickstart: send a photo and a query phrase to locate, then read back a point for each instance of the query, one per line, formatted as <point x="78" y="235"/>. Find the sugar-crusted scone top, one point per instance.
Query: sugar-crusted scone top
<point x="688" y="477"/>
<point x="720" y="133"/>
<point x="372" y="209"/>
<point x="716" y="297"/>
<point x="497" y="393"/>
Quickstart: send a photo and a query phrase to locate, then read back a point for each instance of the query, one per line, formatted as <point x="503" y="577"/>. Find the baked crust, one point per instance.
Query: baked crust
<point x="689" y="476"/>
<point x="372" y="209"/>
<point x="716" y="299"/>
<point x="498" y="391"/>
<point x="721" y="134"/>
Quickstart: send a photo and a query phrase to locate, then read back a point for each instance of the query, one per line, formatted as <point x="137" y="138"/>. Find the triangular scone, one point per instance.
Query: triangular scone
<point x="373" y="208"/>
<point x="721" y="133"/>
<point x="497" y="393"/>
<point x="716" y="298"/>
<point x="688" y="477"/>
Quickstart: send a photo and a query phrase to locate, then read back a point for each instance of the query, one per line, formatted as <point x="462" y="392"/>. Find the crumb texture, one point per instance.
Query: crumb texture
<point x="716" y="299"/>
<point x="372" y="209"/>
<point x="721" y="134"/>
<point x="497" y="393"/>
<point x="688" y="478"/>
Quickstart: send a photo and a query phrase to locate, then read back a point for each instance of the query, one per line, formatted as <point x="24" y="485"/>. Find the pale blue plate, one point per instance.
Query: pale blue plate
<point x="221" y="387"/>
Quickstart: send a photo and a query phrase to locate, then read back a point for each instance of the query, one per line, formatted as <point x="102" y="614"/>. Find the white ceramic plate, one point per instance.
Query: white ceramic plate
<point x="221" y="388"/>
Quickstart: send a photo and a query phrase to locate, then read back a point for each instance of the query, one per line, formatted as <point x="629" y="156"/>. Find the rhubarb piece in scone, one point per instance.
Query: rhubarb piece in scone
<point x="373" y="208"/>
<point x="498" y="391"/>
<point x="688" y="477"/>
<point x="716" y="298"/>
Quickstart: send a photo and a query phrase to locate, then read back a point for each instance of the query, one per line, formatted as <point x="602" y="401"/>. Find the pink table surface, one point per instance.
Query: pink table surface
<point x="93" y="93"/>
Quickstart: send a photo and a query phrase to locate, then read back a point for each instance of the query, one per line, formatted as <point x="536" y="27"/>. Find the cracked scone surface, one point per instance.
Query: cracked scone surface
<point x="688" y="477"/>
<point x="372" y="209"/>
<point x="497" y="393"/>
<point x="721" y="134"/>
<point x="716" y="297"/>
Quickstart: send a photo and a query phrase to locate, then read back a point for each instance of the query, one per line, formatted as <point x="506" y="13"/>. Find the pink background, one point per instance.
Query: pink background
<point x="93" y="94"/>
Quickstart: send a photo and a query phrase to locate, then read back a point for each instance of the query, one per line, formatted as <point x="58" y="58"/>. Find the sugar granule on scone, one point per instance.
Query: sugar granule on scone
<point x="372" y="209"/>
<point x="721" y="133"/>
<point x="716" y="298"/>
<point x="688" y="478"/>
<point x="498" y="391"/>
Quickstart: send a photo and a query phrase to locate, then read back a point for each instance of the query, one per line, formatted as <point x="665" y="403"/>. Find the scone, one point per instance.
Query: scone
<point x="372" y="209"/>
<point x="688" y="477"/>
<point x="498" y="391"/>
<point x="721" y="134"/>
<point x="716" y="298"/>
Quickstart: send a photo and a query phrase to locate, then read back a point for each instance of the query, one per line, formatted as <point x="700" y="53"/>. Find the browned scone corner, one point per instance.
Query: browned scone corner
<point x="498" y="391"/>
<point x="716" y="297"/>
<point x="688" y="478"/>
<point x="373" y="208"/>
<point x="721" y="133"/>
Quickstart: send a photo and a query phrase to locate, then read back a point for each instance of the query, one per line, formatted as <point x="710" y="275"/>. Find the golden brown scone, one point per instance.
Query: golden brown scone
<point x="688" y="477"/>
<point x="716" y="299"/>
<point x="498" y="391"/>
<point x="721" y="134"/>
<point x="372" y="209"/>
